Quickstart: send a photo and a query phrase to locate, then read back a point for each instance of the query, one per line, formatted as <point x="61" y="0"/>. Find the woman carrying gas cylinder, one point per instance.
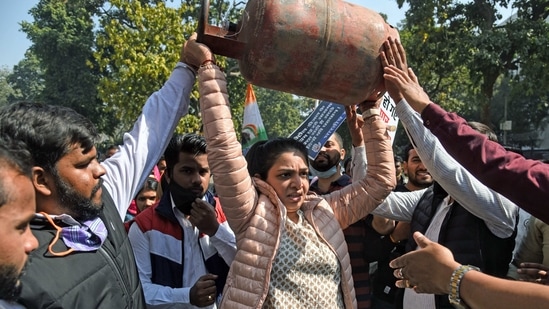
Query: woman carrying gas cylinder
<point x="291" y="251"/>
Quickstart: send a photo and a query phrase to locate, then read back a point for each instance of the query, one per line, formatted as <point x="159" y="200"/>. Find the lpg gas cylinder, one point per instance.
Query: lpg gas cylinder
<point x="327" y="50"/>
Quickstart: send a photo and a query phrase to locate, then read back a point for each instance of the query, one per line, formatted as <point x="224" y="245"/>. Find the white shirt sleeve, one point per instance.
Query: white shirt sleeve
<point x="127" y="170"/>
<point x="498" y="212"/>
<point x="359" y="162"/>
<point x="399" y="205"/>
<point x="224" y="242"/>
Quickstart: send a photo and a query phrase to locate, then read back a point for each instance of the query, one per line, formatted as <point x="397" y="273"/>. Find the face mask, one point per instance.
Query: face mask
<point x="325" y="174"/>
<point x="183" y="198"/>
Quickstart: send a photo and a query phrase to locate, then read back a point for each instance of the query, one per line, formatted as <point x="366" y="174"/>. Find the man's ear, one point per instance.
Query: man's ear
<point x="343" y="152"/>
<point x="42" y="181"/>
<point x="404" y="168"/>
<point x="256" y="175"/>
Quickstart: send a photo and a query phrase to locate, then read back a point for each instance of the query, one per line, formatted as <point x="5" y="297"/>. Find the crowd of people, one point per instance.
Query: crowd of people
<point x="144" y="229"/>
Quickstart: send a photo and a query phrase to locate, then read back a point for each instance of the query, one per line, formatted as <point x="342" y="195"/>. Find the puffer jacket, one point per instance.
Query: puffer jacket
<point x="257" y="216"/>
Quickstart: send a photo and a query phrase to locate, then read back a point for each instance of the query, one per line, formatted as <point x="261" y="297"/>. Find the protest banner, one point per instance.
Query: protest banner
<point x="319" y="126"/>
<point x="326" y="119"/>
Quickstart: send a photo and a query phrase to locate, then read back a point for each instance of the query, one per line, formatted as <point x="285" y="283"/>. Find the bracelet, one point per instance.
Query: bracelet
<point x="189" y="67"/>
<point x="206" y="62"/>
<point x="370" y="112"/>
<point x="393" y="240"/>
<point x="455" y="282"/>
<point x="207" y="67"/>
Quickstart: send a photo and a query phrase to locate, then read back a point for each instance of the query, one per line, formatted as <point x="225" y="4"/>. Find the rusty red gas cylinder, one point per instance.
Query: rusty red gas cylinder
<point x="327" y="50"/>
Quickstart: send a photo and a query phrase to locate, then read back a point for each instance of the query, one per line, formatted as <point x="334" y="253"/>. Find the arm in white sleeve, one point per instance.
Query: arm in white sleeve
<point x="498" y="212"/>
<point x="359" y="165"/>
<point x="359" y="162"/>
<point x="399" y="206"/>
<point x="225" y="242"/>
<point x="155" y="294"/>
<point x="145" y="143"/>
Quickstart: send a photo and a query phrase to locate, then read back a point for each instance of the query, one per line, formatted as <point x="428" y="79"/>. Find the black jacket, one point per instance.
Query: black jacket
<point x="466" y="235"/>
<point x="105" y="278"/>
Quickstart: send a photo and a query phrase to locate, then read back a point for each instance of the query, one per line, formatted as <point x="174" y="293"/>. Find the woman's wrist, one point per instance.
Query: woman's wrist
<point x="367" y="105"/>
<point x="208" y="62"/>
<point x="370" y="113"/>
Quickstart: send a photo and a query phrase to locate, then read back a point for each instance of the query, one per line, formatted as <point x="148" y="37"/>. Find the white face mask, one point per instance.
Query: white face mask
<point x="326" y="174"/>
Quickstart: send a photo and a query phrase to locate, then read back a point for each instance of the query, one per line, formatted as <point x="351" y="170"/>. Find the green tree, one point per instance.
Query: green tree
<point x="528" y="99"/>
<point x="6" y="90"/>
<point x="27" y="79"/>
<point x="137" y="47"/>
<point x="460" y="50"/>
<point x="236" y="87"/>
<point x="281" y="112"/>
<point x="63" y="41"/>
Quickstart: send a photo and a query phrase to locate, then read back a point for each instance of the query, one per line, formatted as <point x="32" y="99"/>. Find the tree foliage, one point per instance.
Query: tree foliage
<point x="281" y="112"/>
<point x="63" y="40"/>
<point x="6" y="90"/>
<point x="27" y="79"/>
<point x="137" y="48"/>
<point x="138" y="45"/>
<point x="461" y="50"/>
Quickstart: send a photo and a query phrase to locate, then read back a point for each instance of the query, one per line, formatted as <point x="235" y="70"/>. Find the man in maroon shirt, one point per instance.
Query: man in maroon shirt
<point x="525" y="182"/>
<point x="432" y="268"/>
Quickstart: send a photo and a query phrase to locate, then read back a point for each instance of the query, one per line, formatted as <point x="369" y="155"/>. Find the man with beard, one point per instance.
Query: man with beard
<point x="17" y="207"/>
<point x="84" y="258"/>
<point x="475" y="223"/>
<point x="183" y="246"/>
<point x="524" y="181"/>
<point x="418" y="176"/>
<point x="362" y="235"/>
<point x="326" y="167"/>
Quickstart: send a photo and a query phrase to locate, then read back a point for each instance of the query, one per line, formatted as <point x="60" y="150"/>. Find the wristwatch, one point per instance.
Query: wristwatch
<point x="455" y="282"/>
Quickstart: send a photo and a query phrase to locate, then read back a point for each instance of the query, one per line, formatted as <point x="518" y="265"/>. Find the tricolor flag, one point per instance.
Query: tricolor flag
<point x="253" y="129"/>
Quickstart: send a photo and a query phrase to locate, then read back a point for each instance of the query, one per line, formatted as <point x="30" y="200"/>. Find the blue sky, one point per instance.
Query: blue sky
<point x="15" y="43"/>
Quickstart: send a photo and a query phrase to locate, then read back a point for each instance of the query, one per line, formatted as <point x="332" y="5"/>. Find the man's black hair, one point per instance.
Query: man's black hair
<point x="188" y="143"/>
<point x="13" y="155"/>
<point x="406" y="153"/>
<point x="49" y="131"/>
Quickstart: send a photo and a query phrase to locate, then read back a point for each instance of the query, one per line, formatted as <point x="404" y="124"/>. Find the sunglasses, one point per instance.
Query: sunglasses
<point x="151" y="184"/>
